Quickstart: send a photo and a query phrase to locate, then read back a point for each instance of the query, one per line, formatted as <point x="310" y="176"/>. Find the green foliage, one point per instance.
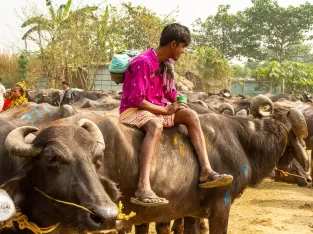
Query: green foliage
<point x="298" y="76"/>
<point x="241" y="72"/>
<point x="269" y="76"/>
<point x="213" y="69"/>
<point x="141" y="27"/>
<point x="252" y="65"/>
<point x="269" y="30"/>
<point x="23" y="65"/>
<point x="219" y="31"/>
<point x="73" y="43"/>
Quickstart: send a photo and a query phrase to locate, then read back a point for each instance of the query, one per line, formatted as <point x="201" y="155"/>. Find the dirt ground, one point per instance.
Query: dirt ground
<point x="272" y="208"/>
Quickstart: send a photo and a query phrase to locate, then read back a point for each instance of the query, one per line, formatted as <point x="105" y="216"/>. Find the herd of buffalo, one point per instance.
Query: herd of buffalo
<point x="82" y="154"/>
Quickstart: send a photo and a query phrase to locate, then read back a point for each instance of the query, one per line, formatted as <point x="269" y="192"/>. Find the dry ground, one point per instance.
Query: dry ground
<point x="272" y="208"/>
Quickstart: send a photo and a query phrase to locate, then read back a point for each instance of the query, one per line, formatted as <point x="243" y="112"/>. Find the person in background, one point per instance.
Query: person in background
<point x="67" y="97"/>
<point x="2" y="94"/>
<point x="17" y="97"/>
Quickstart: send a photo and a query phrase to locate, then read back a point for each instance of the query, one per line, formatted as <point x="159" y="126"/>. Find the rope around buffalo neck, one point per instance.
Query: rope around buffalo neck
<point x="285" y="173"/>
<point x="285" y="133"/>
<point x="23" y="223"/>
<point x="282" y="172"/>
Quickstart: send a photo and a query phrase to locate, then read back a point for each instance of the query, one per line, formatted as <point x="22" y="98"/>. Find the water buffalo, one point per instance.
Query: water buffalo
<point x="105" y="104"/>
<point x="275" y="97"/>
<point x="38" y="115"/>
<point x="61" y="162"/>
<point x="51" y="96"/>
<point x="247" y="149"/>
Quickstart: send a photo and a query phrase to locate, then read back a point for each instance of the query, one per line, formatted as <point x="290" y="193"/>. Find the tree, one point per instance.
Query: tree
<point x="219" y="31"/>
<point x="298" y="53"/>
<point x="269" y="30"/>
<point x="50" y="24"/>
<point x="213" y="69"/>
<point x="142" y="27"/>
<point x="241" y="71"/>
<point x="252" y="65"/>
<point x="60" y="31"/>
<point x="299" y="76"/>
<point x="269" y="76"/>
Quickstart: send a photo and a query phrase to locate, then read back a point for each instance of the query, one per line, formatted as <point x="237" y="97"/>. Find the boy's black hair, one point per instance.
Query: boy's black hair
<point x="175" y="32"/>
<point x="65" y="82"/>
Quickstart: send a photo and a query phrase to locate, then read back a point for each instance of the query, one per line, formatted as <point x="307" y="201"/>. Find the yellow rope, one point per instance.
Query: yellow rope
<point x="23" y="223"/>
<point x="285" y="173"/>
<point x="22" y="220"/>
<point x="63" y="202"/>
<point x="120" y="215"/>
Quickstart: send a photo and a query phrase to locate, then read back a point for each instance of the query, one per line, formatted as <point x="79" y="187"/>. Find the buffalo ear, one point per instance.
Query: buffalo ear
<point x="110" y="188"/>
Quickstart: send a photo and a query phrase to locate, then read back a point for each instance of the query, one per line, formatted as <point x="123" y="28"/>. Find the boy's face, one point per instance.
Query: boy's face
<point x="177" y="50"/>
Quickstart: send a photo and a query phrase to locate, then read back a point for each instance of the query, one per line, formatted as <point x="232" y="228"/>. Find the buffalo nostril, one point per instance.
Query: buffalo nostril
<point x="96" y="219"/>
<point x="104" y="215"/>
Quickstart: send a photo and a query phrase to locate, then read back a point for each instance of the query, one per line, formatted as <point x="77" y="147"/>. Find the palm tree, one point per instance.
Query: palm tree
<point x="51" y="24"/>
<point x="42" y="23"/>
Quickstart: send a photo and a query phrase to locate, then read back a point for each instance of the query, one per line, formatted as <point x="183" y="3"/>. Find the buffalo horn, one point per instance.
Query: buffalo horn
<point x="92" y="128"/>
<point x="16" y="145"/>
<point x="227" y="109"/>
<point x="202" y="103"/>
<point x="261" y="106"/>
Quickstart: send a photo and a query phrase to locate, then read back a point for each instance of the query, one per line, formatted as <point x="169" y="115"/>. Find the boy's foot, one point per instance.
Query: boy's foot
<point x="148" y="198"/>
<point x="216" y="180"/>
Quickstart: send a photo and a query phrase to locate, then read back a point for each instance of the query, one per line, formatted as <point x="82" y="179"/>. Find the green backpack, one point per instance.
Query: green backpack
<point x="119" y="64"/>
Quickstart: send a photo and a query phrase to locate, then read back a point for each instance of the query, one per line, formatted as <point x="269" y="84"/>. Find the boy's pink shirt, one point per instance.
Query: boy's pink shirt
<point x="139" y="85"/>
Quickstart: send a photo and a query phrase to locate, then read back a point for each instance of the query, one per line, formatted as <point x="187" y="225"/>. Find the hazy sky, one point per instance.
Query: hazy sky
<point x="11" y="12"/>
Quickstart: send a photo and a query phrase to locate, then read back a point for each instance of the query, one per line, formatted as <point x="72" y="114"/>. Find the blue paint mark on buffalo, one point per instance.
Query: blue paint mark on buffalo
<point x="244" y="169"/>
<point x="37" y="112"/>
<point x="46" y="109"/>
<point x="28" y="116"/>
<point x="227" y="198"/>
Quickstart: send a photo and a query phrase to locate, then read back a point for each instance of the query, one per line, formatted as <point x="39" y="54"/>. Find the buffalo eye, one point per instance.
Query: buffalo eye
<point x="51" y="158"/>
<point x="98" y="162"/>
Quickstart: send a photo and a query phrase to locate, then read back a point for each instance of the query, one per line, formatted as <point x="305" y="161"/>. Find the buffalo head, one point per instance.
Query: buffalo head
<point x="62" y="162"/>
<point x="291" y="121"/>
